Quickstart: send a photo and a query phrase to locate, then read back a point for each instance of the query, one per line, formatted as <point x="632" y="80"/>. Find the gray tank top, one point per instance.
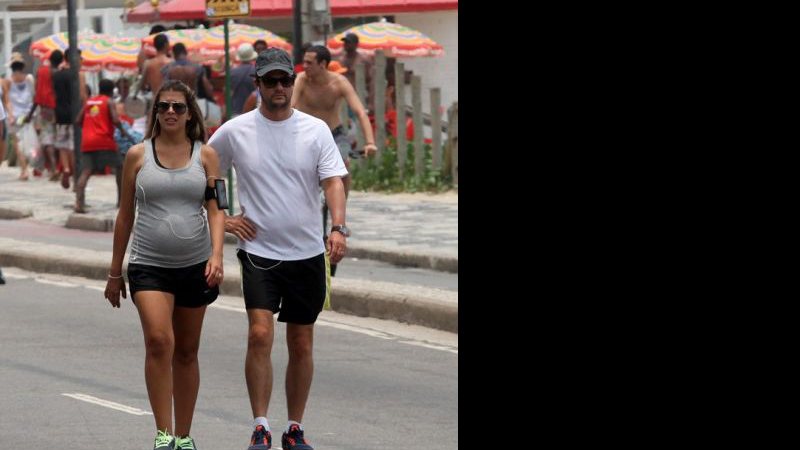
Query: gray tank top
<point x="171" y="229"/>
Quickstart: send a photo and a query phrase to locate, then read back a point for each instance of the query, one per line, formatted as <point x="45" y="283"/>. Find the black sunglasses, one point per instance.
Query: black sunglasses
<point x="272" y="82"/>
<point x="178" y="107"/>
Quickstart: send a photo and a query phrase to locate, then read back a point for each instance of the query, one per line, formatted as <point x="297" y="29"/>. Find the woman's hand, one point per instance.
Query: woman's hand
<point x="115" y="287"/>
<point x="214" y="273"/>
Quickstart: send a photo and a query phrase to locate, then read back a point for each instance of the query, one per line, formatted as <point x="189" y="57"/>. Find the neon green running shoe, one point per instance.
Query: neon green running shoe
<point x="184" y="443"/>
<point x="164" y="441"/>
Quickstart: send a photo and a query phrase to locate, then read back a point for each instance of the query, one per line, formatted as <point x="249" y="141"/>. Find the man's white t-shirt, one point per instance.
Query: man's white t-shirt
<point x="279" y="167"/>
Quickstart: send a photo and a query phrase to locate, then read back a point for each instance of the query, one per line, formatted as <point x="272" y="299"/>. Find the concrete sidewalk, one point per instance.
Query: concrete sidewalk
<point x="417" y="230"/>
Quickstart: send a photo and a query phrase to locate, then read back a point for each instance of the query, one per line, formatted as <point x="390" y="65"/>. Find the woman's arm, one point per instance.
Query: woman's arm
<point x="115" y="286"/>
<point x="216" y="219"/>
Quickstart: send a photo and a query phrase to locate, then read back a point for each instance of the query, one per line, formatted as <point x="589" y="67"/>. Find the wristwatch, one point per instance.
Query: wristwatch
<point x="341" y="229"/>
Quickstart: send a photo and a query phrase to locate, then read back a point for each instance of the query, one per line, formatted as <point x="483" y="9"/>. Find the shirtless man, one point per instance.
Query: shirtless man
<point x="152" y="67"/>
<point x="319" y="92"/>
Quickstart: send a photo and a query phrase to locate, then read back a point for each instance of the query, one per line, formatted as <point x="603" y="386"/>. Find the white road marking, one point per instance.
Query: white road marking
<point x="55" y="283"/>
<point x="431" y="346"/>
<point x="108" y="404"/>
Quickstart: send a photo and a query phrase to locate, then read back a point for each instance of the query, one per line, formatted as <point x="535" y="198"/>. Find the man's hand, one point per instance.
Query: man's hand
<point x="336" y="246"/>
<point x="241" y="227"/>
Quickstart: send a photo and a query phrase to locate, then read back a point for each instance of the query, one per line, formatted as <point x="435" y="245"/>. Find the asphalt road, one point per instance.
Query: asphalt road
<point x="71" y="376"/>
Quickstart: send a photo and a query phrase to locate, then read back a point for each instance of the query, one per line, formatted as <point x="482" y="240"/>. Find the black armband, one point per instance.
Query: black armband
<point x="218" y="193"/>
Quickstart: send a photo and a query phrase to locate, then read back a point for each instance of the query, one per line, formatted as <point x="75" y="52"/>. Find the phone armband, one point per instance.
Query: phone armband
<point x="218" y="193"/>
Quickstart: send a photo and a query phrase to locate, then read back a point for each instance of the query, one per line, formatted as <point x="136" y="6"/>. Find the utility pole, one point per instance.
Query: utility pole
<point x="74" y="65"/>
<point x="297" y="33"/>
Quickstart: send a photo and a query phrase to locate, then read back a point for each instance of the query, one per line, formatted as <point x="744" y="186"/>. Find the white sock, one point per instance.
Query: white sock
<point x="261" y="421"/>
<point x="292" y="422"/>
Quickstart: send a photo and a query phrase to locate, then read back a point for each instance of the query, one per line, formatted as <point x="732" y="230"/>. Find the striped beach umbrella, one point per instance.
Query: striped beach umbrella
<point x="122" y="55"/>
<point x="42" y="48"/>
<point x="212" y="46"/>
<point x="395" y="40"/>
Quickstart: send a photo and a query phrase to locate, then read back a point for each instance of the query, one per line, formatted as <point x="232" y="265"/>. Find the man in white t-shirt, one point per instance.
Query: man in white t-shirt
<point x="281" y="157"/>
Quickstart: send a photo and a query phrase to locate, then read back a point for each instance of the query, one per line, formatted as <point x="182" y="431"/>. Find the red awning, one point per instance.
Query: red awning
<point x="170" y="10"/>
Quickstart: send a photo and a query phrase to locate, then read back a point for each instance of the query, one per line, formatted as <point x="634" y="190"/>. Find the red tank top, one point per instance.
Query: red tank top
<point x="98" y="130"/>
<point x="44" y="88"/>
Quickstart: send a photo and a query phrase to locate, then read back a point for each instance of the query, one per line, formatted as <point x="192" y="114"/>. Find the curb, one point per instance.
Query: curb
<point x="14" y="214"/>
<point x="408" y="304"/>
<point x="105" y="223"/>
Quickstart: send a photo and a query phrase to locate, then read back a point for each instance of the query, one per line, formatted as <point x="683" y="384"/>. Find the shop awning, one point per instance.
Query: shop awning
<point x="170" y="10"/>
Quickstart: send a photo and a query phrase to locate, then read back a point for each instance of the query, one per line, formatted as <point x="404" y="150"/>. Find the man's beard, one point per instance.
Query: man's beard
<point x="277" y="107"/>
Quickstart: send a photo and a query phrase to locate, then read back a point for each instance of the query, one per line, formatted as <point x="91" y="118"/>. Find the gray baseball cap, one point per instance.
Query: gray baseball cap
<point x="273" y="59"/>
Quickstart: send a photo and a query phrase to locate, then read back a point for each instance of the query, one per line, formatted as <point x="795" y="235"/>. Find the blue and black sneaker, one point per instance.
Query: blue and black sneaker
<point x="294" y="440"/>
<point x="164" y="441"/>
<point x="184" y="443"/>
<point x="261" y="439"/>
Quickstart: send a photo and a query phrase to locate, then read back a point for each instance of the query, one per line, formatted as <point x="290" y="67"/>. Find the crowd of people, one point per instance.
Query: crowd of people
<point x="285" y="141"/>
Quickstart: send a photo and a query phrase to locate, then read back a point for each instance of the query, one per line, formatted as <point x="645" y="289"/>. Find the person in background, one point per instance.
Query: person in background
<point x="191" y="74"/>
<point x="320" y="92"/>
<point x="350" y="59"/>
<point x="98" y="117"/>
<point x="66" y="113"/>
<point x="242" y="78"/>
<point x="282" y="156"/>
<point x="152" y="76"/>
<point x="45" y="100"/>
<point x="260" y="45"/>
<point x="175" y="266"/>
<point x="20" y="89"/>
<point x="142" y="56"/>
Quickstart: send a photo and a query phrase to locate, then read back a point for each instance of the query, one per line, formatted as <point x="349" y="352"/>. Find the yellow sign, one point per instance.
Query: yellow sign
<point x="227" y="8"/>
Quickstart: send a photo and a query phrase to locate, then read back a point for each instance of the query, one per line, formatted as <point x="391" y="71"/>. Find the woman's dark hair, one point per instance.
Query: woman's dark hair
<point x="17" y="66"/>
<point x="195" y="128"/>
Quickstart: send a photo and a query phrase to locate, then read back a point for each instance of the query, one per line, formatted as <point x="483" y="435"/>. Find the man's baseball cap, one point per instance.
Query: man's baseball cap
<point x="350" y="37"/>
<point x="271" y="59"/>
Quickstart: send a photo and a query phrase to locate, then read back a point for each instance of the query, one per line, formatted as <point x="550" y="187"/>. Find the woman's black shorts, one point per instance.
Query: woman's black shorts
<point x="296" y="289"/>
<point x="187" y="284"/>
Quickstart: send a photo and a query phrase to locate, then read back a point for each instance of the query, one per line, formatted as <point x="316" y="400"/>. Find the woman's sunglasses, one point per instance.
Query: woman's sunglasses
<point x="272" y="82"/>
<point x="178" y="107"/>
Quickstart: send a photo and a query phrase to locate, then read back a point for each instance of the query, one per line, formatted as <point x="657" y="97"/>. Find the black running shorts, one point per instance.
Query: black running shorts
<point x="187" y="284"/>
<point x="296" y="289"/>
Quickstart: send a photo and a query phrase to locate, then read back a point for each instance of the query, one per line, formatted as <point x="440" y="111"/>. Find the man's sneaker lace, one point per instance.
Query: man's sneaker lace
<point x="294" y="440"/>
<point x="164" y="441"/>
<point x="261" y="439"/>
<point x="184" y="443"/>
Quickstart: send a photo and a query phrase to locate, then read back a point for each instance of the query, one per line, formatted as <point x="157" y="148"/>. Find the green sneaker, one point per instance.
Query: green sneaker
<point x="164" y="441"/>
<point x="184" y="443"/>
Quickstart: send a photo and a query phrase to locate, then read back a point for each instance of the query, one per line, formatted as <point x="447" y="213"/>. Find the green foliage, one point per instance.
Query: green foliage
<point x="383" y="174"/>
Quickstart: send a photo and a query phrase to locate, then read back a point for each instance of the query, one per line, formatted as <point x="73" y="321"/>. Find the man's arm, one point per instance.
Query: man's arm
<point x="299" y="86"/>
<point x="82" y="86"/>
<point x="207" y="86"/>
<point x="112" y="110"/>
<point x="79" y="117"/>
<point x="335" y="198"/>
<point x="355" y="105"/>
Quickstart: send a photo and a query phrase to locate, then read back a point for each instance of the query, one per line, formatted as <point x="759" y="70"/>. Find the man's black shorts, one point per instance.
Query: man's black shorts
<point x="187" y="284"/>
<point x="296" y="289"/>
